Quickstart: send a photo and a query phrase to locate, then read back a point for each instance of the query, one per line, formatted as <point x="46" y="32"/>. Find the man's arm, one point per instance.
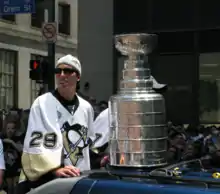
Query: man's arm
<point x="42" y="149"/>
<point x="2" y="162"/>
<point x="101" y="130"/>
<point x="17" y="146"/>
<point x="99" y="140"/>
<point x="90" y="112"/>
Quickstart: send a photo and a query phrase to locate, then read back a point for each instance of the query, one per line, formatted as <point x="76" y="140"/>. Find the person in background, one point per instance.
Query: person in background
<point x="176" y="145"/>
<point x="59" y="125"/>
<point x="103" y="105"/>
<point x="98" y="154"/>
<point x="12" y="152"/>
<point x="18" y="114"/>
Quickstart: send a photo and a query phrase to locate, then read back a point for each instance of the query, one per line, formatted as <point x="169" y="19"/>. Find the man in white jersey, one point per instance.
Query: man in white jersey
<point x="59" y="125"/>
<point x="98" y="154"/>
<point x="101" y="126"/>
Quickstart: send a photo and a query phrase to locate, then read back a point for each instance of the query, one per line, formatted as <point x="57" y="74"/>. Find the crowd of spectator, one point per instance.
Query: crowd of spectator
<point x="194" y="142"/>
<point x="12" y="133"/>
<point x="98" y="106"/>
<point x="184" y="142"/>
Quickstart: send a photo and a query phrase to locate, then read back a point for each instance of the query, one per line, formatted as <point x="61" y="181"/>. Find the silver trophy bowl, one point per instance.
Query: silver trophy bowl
<point x="135" y="44"/>
<point x="138" y="136"/>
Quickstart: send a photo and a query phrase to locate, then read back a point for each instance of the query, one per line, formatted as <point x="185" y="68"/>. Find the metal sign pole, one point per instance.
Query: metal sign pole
<point x="45" y="85"/>
<point x="51" y="46"/>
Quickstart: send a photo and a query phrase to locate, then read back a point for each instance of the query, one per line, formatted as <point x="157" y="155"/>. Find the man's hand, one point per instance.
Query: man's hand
<point x="8" y="141"/>
<point x="67" y="171"/>
<point x="104" y="161"/>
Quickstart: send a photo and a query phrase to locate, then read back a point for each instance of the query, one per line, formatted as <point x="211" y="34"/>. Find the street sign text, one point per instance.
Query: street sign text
<point x="10" y="7"/>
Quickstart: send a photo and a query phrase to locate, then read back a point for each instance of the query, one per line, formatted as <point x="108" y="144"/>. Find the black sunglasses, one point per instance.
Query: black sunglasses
<point x="65" y="71"/>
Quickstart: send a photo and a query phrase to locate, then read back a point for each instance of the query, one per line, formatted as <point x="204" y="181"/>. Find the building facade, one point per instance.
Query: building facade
<point x="21" y="40"/>
<point x="96" y="46"/>
<point x="188" y="54"/>
<point x="85" y="30"/>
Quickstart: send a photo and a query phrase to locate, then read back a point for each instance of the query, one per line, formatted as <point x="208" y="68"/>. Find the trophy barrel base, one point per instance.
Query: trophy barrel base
<point x="129" y="171"/>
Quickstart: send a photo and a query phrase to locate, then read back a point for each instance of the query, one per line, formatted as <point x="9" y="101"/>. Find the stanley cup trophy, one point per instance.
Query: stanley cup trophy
<point x="138" y="136"/>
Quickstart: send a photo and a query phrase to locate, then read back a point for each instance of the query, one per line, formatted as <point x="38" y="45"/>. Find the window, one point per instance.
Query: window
<point x="64" y="19"/>
<point x="38" y="17"/>
<point x="172" y="14"/>
<point x="35" y="87"/>
<point x="175" y="42"/>
<point x="209" y="90"/>
<point x="209" y="41"/>
<point x="209" y="14"/>
<point x="8" y="82"/>
<point x="177" y="72"/>
<point x="10" y="18"/>
<point x="127" y="16"/>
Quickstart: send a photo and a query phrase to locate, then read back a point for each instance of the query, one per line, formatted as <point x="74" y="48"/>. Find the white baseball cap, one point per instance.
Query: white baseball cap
<point x="157" y="85"/>
<point x="72" y="61"/>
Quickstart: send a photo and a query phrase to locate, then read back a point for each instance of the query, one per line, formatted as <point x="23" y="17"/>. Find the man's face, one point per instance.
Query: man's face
<point x="10" y="129"/>
<point x="66" y="76"/>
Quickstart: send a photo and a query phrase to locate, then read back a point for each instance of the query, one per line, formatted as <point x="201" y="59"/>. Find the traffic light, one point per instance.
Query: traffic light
<point x="39" y="70"/>
<point x="35" y="70"/>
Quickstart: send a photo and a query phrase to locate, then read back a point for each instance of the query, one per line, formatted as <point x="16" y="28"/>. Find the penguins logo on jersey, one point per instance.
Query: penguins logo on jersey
<point x="74" y="140"/>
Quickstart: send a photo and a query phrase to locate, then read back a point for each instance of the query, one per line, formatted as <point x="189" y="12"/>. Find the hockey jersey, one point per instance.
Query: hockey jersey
<point x="101" y="129"/>
<point x="2" y="160"/>
<point x="56" y="136"/>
